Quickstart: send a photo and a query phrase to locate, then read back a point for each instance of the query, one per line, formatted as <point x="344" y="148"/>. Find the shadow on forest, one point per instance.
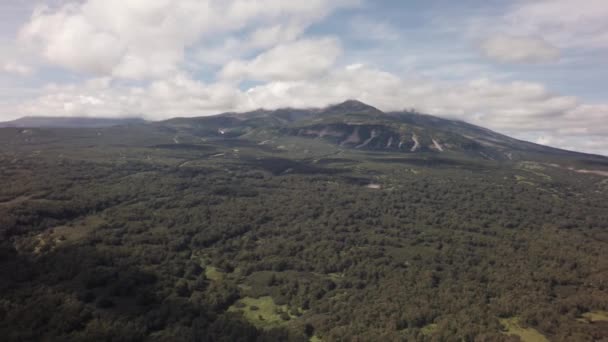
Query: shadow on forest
<point x="280" y="166"/>
<point x="81" y="293"/>
<point x="434" y="163"/>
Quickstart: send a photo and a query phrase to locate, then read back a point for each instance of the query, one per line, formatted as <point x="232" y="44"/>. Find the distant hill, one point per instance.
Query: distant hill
<point x="68" y="122"/>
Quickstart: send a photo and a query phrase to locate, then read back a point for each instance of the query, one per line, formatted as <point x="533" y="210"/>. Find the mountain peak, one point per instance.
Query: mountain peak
<point x="352" y="107"/>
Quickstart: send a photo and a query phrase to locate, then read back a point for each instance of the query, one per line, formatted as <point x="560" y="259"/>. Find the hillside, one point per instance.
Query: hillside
<point x="336" y="224"/>
<point x="68" y="122"/>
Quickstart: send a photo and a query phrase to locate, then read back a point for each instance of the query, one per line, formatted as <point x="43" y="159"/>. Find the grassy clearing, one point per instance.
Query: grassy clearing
<point x="15" y="201"/>
<point x="596" y="316"/>
<point x="335" y="276"/>
<point x="528" y="165"/>
<point x="262" y="312"/>
<point x="428" y="330"/>
<point x="213" y="274"/>
<point x="525" y="334"/>
<point x="55" y="237"/>
<point x="78" y="230"/>
<point x="535" y="169"/>
<point x="524" y="180"/>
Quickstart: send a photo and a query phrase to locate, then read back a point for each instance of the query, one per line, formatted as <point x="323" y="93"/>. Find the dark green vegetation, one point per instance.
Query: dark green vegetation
<point x="250" y="228"/>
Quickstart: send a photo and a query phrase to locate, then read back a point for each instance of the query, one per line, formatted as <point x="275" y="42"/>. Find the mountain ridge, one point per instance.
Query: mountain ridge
<point x="376" y="130"/>
<point x="352" y="124"/>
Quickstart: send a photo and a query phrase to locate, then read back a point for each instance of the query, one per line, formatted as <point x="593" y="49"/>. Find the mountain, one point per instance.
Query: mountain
<point x="351" y="124"/>
<point x="343" y="223"/>
<point x="356" y="125"/>
<point x="68" y="122"/>
<point x="351" y="107"/>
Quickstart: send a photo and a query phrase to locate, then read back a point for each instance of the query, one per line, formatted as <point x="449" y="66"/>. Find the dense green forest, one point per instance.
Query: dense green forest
<point x="135" y="234"/>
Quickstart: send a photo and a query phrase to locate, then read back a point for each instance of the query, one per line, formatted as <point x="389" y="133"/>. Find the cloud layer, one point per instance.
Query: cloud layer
<point x="299" y="60"/>
<point x="513" y="49"/>
<point x="137" y="39"/>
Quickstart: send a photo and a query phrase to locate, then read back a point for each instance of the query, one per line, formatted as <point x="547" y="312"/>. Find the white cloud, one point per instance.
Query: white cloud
<point x="565" y="23"/>
<point x="269" y="36"/>
<point x="518" y="49"/>
<point x="293" y="61"/>
<point x="586" y="143"/>
<point x="504" y="106"/>
<point x="13" y="67"/>
<point x="365" y="28"/>
<point x="352" y="82"/>
<point x="142" y="39"/>
<point x="175" y="96"/>
<point x="71" y="41"/>
<point x="261" y="38"/>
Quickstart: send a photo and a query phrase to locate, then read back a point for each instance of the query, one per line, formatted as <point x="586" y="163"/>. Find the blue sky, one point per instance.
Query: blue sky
<point x="532" y="69"/>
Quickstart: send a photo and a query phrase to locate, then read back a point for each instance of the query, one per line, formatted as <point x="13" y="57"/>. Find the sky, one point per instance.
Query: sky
<point x="533" y="69"/>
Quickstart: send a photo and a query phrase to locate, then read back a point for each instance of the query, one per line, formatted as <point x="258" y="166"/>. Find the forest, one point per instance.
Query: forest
<point x="116" y="235"/>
